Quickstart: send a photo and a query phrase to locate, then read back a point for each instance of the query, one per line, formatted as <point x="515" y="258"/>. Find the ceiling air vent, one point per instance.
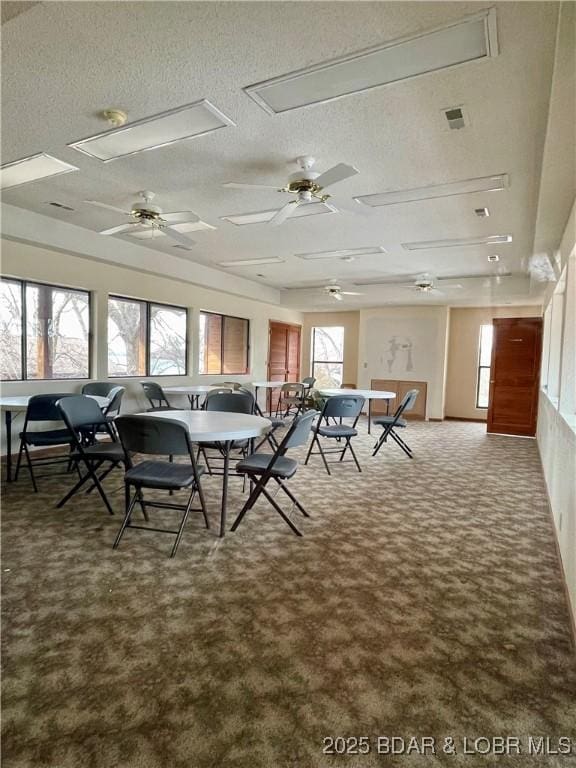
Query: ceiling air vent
<point x="455" y="118"/>
<point x="60" y="205"/>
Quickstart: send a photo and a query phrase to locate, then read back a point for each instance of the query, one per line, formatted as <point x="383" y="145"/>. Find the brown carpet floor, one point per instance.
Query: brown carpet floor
<point x="425" y="599"/>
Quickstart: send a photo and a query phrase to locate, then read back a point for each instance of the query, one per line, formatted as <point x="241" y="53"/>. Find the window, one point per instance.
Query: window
<point x="484" y="359"/>
<point x="146" y="339"/>
<point x="328" y="356"/>
<point x="224" y="344"/>
<point x="45" y="331"/>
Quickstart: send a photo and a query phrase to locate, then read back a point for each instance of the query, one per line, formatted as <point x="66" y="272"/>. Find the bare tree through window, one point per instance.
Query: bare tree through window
<point x="328" y="356"/>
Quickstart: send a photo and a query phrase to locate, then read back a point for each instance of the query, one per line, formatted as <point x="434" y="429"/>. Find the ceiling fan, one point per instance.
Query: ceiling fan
<point x="335" y="292"/>
<point x="306" y="185"/>
<point x="423" y="283"/>
<point x="148" y="218"/>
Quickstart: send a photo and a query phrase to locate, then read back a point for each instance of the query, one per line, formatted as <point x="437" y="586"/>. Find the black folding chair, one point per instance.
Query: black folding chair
<point x="339" y="407"/>
<point x="98" y="388"/>
<point x="159" y="437"/>
<point x="83" y="417"/>
<point x="263" y="467"/>
<point x="43" y="408"/>
<point x="156" y="397"/>
<point x="392" y="422"/>
<point x="228" y="402"/>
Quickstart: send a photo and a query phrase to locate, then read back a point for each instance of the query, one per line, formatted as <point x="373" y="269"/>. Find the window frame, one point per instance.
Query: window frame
<point x="480" y="367"/>
<point x="147" y="324"/>
<point x="24" y="332"/>
<point x="313" y="361"/>
<point x="232" y="317"/>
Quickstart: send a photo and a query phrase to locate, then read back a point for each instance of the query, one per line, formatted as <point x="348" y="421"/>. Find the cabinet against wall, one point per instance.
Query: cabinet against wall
<point x="400" y="388"/>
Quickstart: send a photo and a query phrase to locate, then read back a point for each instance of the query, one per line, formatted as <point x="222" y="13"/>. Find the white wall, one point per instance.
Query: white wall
<point x="34" y="263"/>
<point x="422" y="336"/>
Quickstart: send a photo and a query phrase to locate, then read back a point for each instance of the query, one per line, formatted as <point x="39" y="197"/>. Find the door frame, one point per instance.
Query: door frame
<point x="281" y="323"/>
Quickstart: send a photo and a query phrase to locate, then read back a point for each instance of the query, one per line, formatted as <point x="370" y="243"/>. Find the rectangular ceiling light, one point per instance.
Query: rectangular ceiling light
<point x="457" y="242"/>
<point x="33" y="168"/>
<point x="468" y="39"/>
<point x="251" y="262"/>
<point x="260" y="217"/>
<point x="341" y="254"/>
<point x="154" y="132"/>
<point x="465" y="187"/>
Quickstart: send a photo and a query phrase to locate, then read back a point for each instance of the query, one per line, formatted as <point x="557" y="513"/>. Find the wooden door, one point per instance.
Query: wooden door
<point x="515" y="375"/>
<point x="283" y="356"/>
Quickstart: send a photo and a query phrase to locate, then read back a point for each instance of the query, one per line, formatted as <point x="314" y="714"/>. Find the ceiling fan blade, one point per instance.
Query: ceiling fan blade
<point x="240" y="185"/>
<point x="451" y="286"/>
<point x="285" y="212"/>
<point x="351" y="293"/>
<point x="175" y="235"/>
<point x="334" y="175"/>
<point x="117" y="230"/>
<point x="337" y="296"/>
<point x="105" y="205"/>
<point x="180" y="217"/>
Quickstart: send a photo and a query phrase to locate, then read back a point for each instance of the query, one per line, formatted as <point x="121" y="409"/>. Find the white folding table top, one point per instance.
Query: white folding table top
<point x="192" y="389"/>
<point x="368" y="394"/>
<point x="20" y="402"/>
<point x="216" y="426"/>
<point x="271" y="384"/>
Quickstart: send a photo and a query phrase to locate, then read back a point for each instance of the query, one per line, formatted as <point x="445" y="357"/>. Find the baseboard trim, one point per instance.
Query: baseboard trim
<point x="462" y="418"/>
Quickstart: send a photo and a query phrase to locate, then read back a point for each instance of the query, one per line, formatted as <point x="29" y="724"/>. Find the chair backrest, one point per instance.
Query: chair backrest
<point x="231" y="402"/>
<point x="298" y="433"/>
<point x="154" y="393"/>
<point x="229" y="385"/>
<point x="343" y="407"/>
<point x="80" y="411"/>
<point x="98" y="388"/>
<point x="213" y="393"/>
<point x="296" y="388"/>
<point x="115" y="401"/>
<point x="45" y="407"/>
<point x="153" y="435"/>
<point x="309" y="381"/>
<point x="408" y="401"/>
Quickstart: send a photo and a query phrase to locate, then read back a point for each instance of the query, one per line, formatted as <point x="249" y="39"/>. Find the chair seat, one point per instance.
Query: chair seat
<point x="383" y="421"/>
<point x="49" y="437"/>
<point x="161" y="474"/>
<point x="102" y="452"/>
<point x="335" y="430"/>
<point x="258" y="463"/>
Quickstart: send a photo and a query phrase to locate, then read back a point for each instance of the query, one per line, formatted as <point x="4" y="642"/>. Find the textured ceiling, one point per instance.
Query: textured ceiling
<point x="65" y="62"/>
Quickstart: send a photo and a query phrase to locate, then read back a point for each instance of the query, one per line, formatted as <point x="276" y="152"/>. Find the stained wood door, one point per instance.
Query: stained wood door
<point x="283" y="356"/>
<point x="515" y="375"/>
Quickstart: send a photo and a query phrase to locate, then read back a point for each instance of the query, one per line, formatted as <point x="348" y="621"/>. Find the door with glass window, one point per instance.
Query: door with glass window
<point x="514" y="376"/>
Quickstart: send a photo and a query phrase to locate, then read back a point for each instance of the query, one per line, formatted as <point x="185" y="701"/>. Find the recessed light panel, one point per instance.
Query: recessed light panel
<point x="344" y="253"/>
<point x="154" y="132"/>
<point x="260" y="217"/>
<point x="470" y="38"/>
<point x="33" y="168"/>
<point x="251" y="262"/>
<point x="464" y="187"/>
<point x="457" y="242"/>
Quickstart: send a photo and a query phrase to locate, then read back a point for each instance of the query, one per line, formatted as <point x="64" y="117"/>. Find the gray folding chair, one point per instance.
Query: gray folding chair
<point x="227" y="402"/>
<point x="43" y="408"/>
<point x="263" y="467"/>
<point x="394" y="421"/>
<point x="146" y="435"/>
<point x="83" y="418"/>
<point x="98" y="388"/>
<point x="339" y="407"/>
<point x="156" y="397"/>
<point x="291" y="398"/>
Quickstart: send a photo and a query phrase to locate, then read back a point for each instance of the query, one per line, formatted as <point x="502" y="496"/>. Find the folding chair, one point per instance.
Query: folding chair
<point x="98" y="388"/>
<point x="390" y="423"/>
<point x="228" y="402"/>
<point x="159" y="437"/>
<point x="338" y="407"/>
<point x="83" y="417"/>
<point x="291" y="397"/>
<point x="43" y="408"/>
<point x="156" y="397"/>
<point x="263" y="467"/>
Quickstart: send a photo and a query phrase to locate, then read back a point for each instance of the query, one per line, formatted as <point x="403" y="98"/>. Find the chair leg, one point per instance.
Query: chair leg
<point x="141" y="502"/>
<point x="29" y="464"/>
<point x="402" y="444"/>
<point x="183" y="523"/>
<point x="92" y="473"/>
<point x="281" y="512"/>
<point x="349" y="445"/>
<point x="129" y="509"/>
<point x="19" y="460"/>
<point x="292" y="497"/>
<point x="314" y="438"/>
<point x="322" y="454"/>
<point x="73" y="491"/>
<point x="258" y="489"/>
